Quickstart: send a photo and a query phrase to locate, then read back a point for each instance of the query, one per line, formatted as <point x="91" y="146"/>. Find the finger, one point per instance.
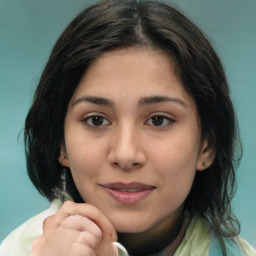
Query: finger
<point x="79" y="249"/>
<point x="92" y="213"/>
<point x="87" y="238"/>
<point x="49" y="224"/>
<point x="54" y="221"/>
<point x="80" y="223"/>
<point x="107" y="249"/>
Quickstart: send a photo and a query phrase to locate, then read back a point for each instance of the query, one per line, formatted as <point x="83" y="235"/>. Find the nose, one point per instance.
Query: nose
<point x="127" y="151"/>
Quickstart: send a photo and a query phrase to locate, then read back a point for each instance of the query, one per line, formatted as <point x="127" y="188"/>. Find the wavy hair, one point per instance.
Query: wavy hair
<point x="115" y="24"/>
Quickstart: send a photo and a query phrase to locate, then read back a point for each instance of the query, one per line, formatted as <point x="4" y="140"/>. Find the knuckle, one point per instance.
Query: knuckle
<point x="82" y="250"/>
<point x="88" y="239"/>
<point x="47" y="222"/>
<point x="67" y="205"/>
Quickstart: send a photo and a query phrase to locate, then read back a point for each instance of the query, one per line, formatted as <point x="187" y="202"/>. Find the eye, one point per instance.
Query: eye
<point x="159" y="120"/>
<point x="96" y="121"/>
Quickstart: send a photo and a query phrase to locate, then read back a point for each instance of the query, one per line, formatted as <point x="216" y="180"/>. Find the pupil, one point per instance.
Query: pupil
<point x="97" y="120"/>
<point x="157" y="120"/>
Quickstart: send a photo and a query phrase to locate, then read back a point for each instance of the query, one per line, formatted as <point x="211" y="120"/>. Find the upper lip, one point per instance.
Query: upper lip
<point x="131" y="185"/>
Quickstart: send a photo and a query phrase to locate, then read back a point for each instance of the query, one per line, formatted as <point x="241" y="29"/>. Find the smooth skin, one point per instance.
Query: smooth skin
<point x="129" y="120"/>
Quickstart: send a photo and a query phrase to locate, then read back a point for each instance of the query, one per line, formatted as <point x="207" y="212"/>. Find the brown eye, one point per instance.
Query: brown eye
<point x="96" y="121"/>
<point x="159" y="121"/>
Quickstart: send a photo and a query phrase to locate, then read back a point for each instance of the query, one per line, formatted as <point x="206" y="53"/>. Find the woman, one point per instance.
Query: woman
<point x="132" y="115"/>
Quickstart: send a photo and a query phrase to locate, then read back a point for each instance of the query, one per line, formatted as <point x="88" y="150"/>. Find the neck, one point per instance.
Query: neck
<point x="155" y="239"/>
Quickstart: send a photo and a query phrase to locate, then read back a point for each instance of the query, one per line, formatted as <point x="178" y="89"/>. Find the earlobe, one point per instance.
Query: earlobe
<point x="63" y="158"/>
<point x="206" y="156"/>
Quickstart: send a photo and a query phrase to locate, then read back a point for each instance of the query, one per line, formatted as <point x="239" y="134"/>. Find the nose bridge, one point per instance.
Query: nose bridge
<point x="124" y="143"/>
<point x="126" y="150"/>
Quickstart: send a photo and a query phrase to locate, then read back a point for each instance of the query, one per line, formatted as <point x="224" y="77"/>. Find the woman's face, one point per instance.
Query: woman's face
<point x="132" y="140"/>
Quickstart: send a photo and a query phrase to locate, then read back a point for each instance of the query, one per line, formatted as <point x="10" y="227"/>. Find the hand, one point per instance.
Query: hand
<point x="76" y="230"/>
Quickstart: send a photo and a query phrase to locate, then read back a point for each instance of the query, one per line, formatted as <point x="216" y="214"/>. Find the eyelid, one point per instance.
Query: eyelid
<point x="164" y="115"/>
<point x="93" y="114"/>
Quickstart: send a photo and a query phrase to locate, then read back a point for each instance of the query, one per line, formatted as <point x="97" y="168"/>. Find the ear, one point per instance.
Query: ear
<point x="206" y="156"/>
<point x="63" y="158"/>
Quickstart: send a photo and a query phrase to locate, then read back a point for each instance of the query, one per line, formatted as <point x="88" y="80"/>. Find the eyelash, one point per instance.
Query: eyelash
<point x="166" y="120"/>
<point x="104" y="122"/>
<point x="90" y="119"/>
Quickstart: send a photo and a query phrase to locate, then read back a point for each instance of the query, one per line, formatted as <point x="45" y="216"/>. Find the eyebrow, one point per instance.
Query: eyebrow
<point x="159" y="99"/>
<point x="95" y="100"/>
<point x="142" y="102"/>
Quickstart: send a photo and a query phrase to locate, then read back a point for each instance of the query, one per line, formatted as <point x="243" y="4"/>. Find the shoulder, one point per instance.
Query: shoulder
<point x="197" y="238"/>
<point x="19" y="241"/>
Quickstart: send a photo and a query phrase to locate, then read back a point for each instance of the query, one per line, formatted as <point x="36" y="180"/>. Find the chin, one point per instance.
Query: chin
<point x="131" y="225"/>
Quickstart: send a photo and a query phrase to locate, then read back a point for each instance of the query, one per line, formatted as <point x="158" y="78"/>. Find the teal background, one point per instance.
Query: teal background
<point x="28" y="30"/>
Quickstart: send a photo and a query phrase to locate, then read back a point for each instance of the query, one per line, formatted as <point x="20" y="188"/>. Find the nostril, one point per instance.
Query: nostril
<point x="126" y="166"/>
<point x="121" y="158"/>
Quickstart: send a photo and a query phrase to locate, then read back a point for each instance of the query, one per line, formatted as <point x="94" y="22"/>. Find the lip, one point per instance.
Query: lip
<point x="128" y="193"/>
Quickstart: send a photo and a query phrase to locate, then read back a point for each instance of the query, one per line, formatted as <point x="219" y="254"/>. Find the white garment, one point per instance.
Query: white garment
<point x="19" y="241"/>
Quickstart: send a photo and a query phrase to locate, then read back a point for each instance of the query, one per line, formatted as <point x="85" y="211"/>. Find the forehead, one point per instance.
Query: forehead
<point x="132" y="73"/>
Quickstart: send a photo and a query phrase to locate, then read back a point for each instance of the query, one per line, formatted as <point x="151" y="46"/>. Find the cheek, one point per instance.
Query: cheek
<point x="176" y="163"/>
<point x="177" y="176"/>
<point x="85" y="163"/>
<point x="85" y="158"/>
<point x="177" y="154"/>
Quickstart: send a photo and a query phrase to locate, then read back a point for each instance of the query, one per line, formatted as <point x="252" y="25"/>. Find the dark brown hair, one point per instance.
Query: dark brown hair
<point x="114" y="24"/>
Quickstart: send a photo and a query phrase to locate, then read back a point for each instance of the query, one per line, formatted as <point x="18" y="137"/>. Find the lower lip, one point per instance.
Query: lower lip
<point x="128" y="197"/>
